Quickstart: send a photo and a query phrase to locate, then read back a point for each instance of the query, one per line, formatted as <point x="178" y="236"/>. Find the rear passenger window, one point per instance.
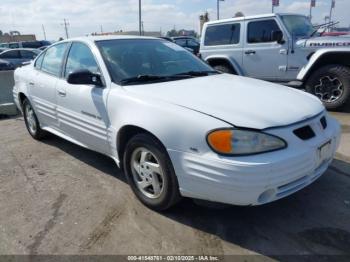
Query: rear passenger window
<point x="13" y="54"/>
<point x="53" y="59"/>
<point x="261" y="31"/>
<point x="28" y="54"/>
<point x="226" y="34"/>
<point x="14" y="45"/>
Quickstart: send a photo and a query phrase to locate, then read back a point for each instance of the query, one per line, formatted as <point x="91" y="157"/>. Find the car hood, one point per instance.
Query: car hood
<point x="324" y="42"/>
<point x="243" y="102"/>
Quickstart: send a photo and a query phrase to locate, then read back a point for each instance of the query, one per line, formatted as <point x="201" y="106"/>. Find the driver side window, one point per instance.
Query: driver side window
<point x="80" y="57"/>
<point x="261" y="31"/>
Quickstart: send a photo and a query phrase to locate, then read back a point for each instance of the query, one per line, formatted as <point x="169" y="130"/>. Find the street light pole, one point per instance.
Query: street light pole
<point x="330" y="15"/>
<point x="66" y="24"/>
<point x="310" y="16"/>
<point x="218" y="8"/>
<point x="43" y="27"/>
<point x="140" y="18"/>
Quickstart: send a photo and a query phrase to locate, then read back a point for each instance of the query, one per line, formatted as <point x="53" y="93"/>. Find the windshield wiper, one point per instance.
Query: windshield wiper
<point x="326" y="25"/>
<point x="197" y="73"/>
<point x="141" y="78"/>
<point x="150" y="78"/>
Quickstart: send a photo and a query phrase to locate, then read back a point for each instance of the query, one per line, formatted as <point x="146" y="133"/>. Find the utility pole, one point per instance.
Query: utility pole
<point x="330" y="15"/>
<point x="140" y="18"/>
<point x="44" y="31"/>
<point x="142" y="29"/>
<point x="218" y="8"/>
<point x="66" y="24"/>
<point x="312" y="4"/>
<point x="101" y="29"/>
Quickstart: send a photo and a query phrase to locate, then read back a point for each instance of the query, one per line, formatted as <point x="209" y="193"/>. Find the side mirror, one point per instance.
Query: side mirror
<point x="84" y="77"/>
<point x="277" y="36"/>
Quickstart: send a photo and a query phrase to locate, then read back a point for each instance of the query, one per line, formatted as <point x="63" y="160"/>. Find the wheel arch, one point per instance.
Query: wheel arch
<point x="127" y="132"/>
<point x="322" y="58"/>
<point x="223" y="60"/>
<point x="21" y="98"/>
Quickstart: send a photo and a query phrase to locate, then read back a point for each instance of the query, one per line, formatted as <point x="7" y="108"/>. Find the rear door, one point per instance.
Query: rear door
<point x="263" y="57"/>
<point x="224" y="40"/>
<point x="42" y="86"/>
<point x="82" y="108"/>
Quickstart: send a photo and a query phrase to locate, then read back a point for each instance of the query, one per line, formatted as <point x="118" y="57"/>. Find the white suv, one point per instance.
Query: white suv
<point x="283" y="48"/>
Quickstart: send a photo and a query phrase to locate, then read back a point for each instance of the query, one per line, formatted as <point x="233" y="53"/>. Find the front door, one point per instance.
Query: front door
<point x="263" y="57"/>
<point x="82" y="108"/>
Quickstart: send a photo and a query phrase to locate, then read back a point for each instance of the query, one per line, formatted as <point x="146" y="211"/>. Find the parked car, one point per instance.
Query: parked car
<point x="26" y="44"/>
<point x="167" y="38"/>
<point x="19" y="56"/>
<point x="2" y="49"/>
<point x="176" y="126"/>
<point x="283" y="48"/>
<point x="188" y="43"/>
<point x="6" y="66"/>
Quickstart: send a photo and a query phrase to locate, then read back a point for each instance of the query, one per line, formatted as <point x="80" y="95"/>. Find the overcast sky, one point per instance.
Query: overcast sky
<point x="86" y="16"/>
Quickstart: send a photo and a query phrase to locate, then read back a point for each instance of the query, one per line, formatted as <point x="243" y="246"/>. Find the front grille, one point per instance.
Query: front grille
<point x="304" y="133"/>
<point x="324" y="122"/>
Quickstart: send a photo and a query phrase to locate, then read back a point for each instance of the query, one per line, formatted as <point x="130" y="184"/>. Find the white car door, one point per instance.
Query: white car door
<point x="82" y="108"/>
<point x="263" y="57"/>
<point x="42" y="86"/>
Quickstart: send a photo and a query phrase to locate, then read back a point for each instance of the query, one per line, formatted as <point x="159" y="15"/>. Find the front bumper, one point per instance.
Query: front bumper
<point x="259" y="179"/>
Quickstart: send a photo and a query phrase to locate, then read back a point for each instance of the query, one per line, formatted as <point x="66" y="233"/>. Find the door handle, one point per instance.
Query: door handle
<point x="250" y="52"/>
<point x="61" y="93"/>
<point x="283" y="52"/>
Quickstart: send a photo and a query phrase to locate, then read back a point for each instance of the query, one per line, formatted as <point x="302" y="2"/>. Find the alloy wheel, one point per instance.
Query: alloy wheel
<point x="148" y="174"/>
<point x="30" y="117"/>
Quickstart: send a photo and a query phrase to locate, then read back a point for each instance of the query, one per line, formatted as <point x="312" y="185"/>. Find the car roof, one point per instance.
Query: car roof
<point x="243" y="18"/>
<point x="91" y="39"/>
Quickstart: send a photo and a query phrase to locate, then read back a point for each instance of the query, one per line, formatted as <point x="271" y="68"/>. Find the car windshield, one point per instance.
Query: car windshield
<point x="148" y="60"/>
<point x="297" y="25"/>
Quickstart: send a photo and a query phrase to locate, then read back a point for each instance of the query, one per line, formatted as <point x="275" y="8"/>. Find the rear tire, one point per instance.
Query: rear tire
<point x="331" y="84"/>
<point x="150" y="173"/>
<point x="224" y="69"/>
<point x="31" y="121"/>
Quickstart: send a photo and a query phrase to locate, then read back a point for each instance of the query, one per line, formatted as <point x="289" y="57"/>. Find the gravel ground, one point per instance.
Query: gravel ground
<point x="58" y="198"/>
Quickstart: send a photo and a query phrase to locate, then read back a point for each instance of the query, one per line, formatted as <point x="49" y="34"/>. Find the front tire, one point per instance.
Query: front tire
<point x="150" y="173"/>
<point x="31" y="121"/>
<point x="331" y="84"/>
<point x="224" y="69"/>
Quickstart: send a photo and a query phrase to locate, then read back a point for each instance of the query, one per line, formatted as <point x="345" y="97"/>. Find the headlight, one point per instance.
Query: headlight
<point x="243" y="142"/>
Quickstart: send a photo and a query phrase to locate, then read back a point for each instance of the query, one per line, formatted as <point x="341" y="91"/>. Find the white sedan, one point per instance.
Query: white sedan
<point x="177" y="127"/>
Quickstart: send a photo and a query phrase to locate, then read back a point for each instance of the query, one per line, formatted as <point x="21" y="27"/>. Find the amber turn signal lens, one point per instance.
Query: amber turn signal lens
<point x="221" y="141"/>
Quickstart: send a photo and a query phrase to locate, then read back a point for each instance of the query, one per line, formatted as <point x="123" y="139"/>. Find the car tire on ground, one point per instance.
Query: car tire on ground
<point x="31" y="121"/>
<point x="331" y="84"/>
<point x="150" y="172"/>
<point x="224" y="69"/>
